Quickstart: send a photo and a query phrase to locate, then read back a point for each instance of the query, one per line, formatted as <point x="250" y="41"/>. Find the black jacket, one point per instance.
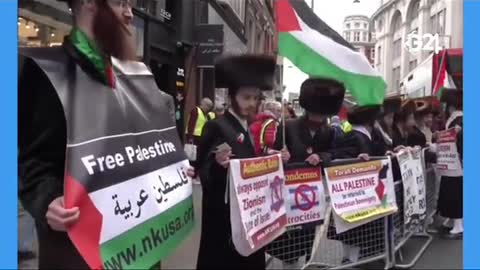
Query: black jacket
<point x="42" y="142"/>
<point x="216" y="247"/>
<point x="325" y="142"/>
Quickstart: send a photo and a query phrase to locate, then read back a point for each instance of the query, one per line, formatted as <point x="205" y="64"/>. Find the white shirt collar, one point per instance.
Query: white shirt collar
<point x="452" y="118"/>
<point x="363" y="130"/>
<point x="242" y="121"/>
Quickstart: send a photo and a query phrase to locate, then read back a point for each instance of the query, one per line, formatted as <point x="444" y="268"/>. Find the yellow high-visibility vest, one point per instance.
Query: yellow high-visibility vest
<point x="201" y="120"/>
<point x="346" y="127"/>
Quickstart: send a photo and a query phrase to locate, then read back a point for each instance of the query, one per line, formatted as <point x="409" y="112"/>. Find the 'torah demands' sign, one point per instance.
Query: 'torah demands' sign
<point x="257" y="205"/>
<point x="361" y="191"/>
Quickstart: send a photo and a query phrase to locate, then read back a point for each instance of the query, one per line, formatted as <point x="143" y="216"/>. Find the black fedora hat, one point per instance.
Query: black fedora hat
<point x="322" y="96"/>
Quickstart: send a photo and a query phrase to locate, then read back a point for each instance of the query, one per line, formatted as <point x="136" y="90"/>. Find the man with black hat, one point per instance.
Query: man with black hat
<point x="383" y="128"/>
<point x="360" y="141"/>
<point x="404" y="127"/>
<point x="311" y="140"/>
<point x="225" y="137"/>
<point x="450" y="201"/>
<point x="90" y="87"/>
<point x="424" y="117"/>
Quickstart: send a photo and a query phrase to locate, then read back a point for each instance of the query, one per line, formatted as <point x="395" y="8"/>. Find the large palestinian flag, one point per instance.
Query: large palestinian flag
<point x="319" y="51"/>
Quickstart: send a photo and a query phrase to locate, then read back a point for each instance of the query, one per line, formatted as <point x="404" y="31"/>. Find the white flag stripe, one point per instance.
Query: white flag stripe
<point x="114" y="225"/>
<point x="336" y="53"/>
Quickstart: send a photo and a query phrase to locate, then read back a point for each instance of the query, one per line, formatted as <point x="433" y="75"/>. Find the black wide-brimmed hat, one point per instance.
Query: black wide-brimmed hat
<point x="424" y="105"/>
<point x="322" y="96"/>
<point x="452" y="96"/>
<point x="391" y="105"/>
<point x="408" y="107"/>
<point x="248" y="70"/>
<point x="363" y="115"/>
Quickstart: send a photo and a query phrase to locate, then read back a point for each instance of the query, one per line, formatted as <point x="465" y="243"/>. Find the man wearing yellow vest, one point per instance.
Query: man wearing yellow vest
<point x="197" y="119"/>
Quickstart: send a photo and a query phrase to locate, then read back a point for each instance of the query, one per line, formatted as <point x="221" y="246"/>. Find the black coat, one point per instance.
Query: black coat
<point x="217" y="250"/>
<point x="359" y="143"/>
<point x="450" y="199"/>
<point x="325" y="142"/>
<point x="416" y="138"/>
<point x="42" y="142"/>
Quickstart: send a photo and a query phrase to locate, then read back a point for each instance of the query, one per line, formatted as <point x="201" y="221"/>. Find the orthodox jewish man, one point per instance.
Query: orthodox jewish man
<point x="310" y="140"/>
<point x="225" y="137"/>
<point x="405" y="132"/>
<point x="360" y="140"/>
<point x="450" y="201"/>
<point x="69" y="97"/>
<point x="383" y="127"/>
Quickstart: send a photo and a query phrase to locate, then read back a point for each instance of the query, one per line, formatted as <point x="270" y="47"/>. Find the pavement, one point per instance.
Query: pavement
<point x="441" y="254"/>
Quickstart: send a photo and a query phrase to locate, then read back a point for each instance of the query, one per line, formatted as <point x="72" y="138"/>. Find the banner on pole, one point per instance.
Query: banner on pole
<point x="257" y="205"/>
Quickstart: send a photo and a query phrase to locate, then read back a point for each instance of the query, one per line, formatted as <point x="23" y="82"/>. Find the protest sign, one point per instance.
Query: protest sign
<point x="410" y="187"/>
<point x="448" y="159"/>
<point x="257" y="205"/>
<point x="418" y="158"/>
<point x="126" y="171"/>
<point x="360" y="192"/>
<point x="305" y="200"/>
<point x="413" y="179"/>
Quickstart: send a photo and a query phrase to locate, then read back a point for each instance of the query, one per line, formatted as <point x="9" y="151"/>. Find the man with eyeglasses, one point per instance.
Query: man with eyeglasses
<point x="87" y="88"/>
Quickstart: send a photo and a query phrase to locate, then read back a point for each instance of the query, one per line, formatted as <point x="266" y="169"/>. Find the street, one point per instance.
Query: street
<point x="441" y="254"/>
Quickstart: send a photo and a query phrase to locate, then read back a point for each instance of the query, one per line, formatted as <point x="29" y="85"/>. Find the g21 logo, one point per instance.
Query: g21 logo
<point x="427" y="42"/>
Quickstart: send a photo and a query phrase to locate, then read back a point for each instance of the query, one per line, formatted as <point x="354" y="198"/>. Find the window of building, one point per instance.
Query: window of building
<point x="437" y="22"/>
<point x="251" y="36"/>
<point x="379" y="25"/>
<point x="396" y="77"/>
<point x="397" y="48"/>
<point x="365" y="26"/>
<point x="347" y="36"/>
<point x="238" y="7"/>
<point x="379" y="54"/>
<point x="372" y="54"/>
<point x="357" y="25"/>
<point x="356" y="36"/>
<point x="40" y="33"/>
<point x="412" y="65"/>
<point x="348" y="26"/>
<point x="364" y="37"/>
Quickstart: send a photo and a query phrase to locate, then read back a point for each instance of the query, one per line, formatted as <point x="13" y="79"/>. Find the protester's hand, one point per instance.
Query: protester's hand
<point x="60" y="218"/>
<point x="458" y="128"/>
<point x="285" y="155"/>
<point x="399" y="148"/>
<point x="364" y="157"/>
<point x="313" y="159"/>
<point x="223" y="157"/>
<point x="390" y="153"/>
<point x="191" y="172"/>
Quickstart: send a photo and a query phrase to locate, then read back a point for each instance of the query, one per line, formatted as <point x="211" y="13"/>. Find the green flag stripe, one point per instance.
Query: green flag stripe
<point x="367" y="90"/>
<point x="148" y="243"/>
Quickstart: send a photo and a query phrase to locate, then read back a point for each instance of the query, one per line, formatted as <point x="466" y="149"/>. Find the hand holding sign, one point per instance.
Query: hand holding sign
<point x="58" y="217"/>
<point x="313" y="160"/>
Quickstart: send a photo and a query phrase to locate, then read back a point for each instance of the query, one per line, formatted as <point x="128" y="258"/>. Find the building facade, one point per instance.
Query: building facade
<point x="395" y="20"/>
<point x="357" y="30"/>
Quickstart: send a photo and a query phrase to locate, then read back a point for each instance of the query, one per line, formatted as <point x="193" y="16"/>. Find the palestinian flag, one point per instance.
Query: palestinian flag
<point x="447" y="70"/>
<point x="319" y="51"/>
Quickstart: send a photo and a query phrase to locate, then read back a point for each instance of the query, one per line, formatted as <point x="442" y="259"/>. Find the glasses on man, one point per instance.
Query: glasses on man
<point x="124" y="4"/>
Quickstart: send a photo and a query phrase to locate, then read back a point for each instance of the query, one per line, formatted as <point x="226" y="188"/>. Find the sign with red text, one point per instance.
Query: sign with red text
<point x="305" y="199"/>
<point x="448" y="158"/>
<point x="257" y="204"/>
<point x="361" y="192"/>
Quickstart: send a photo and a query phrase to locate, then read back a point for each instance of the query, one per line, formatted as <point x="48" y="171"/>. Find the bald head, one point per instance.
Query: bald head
<point x="206" y="104"/>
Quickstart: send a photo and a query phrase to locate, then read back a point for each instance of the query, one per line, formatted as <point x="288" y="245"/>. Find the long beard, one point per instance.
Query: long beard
<point x="112" y="35"/>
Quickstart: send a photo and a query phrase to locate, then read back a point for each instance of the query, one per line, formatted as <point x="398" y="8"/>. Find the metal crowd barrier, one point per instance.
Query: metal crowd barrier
<point x="320" y="247"/>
